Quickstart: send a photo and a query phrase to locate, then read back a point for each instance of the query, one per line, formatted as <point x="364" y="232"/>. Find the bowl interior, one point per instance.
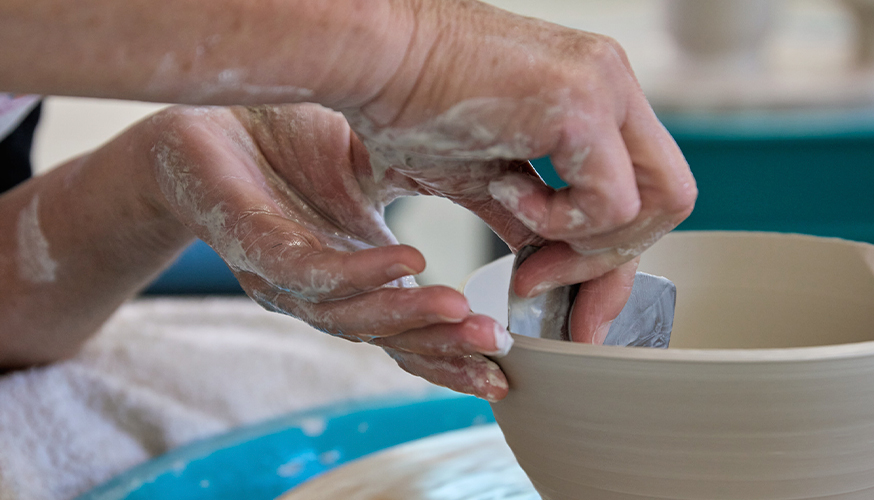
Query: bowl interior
<point x="741" y="290"/>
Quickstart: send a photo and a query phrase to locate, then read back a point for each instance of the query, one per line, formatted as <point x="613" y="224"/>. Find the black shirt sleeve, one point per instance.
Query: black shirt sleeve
<point x="15" y="166"/>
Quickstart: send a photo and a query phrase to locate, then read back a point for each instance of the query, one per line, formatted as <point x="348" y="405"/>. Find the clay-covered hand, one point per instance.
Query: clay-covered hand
<point x="478" y="83"/>
<point x="287" y="197"/>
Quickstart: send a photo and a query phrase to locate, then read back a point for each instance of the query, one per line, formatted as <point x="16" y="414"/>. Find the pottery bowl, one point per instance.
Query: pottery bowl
<point x="766" y="393"/>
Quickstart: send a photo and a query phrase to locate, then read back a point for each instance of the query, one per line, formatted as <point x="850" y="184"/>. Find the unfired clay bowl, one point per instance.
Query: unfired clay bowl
<point x="766" y="393"/>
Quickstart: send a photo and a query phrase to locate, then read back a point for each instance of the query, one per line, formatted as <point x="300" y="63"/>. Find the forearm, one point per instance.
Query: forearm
<point x="335" y="52"/>
<point x="74" y="244"/>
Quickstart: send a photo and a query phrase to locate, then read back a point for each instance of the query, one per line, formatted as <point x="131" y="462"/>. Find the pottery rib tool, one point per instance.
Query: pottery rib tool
<point x="645" y="321"/>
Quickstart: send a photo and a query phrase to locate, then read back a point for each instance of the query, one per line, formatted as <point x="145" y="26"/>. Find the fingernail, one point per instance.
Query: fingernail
<point x="396" y="271"/>
<point x="503" y="341"/>
<point x="601" y="333"/>
<point x="541" y="288"/>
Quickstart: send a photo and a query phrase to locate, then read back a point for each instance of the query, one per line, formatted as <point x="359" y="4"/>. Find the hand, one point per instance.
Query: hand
<point x="479" y="83"/>
<point x="287" y="197"/>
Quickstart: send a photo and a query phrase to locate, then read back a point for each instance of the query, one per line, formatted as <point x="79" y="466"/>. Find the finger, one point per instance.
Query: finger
<point x="598" y="303"/>
<point x="228" y="193"/>
<point x="378" y="313"/>
<point x="470" y="192"/>
<point x="472" y="374"/>
<point x="663" y="176"/>
<point x="602" y="193"/>
<point x="320" y="275"/>
<point x="292" y="258"/>
<point x="476" y="334"/>
<point x="557" y="264"/>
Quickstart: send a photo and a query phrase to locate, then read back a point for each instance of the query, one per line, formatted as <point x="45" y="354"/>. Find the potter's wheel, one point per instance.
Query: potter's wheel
<point x="470" y="464"/>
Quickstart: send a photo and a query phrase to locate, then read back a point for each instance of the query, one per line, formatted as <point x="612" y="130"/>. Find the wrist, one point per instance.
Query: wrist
<point x="152" y="225"/>
<point x="367" y="50"/>
<point x="337" y="53"/>
<point x="437" y="57"/>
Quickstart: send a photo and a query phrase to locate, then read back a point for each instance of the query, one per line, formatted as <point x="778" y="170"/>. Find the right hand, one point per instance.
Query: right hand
<point x="479" y="84"/>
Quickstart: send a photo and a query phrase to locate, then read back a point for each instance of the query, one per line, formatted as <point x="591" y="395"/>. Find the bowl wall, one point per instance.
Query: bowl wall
<point x="735" y="409"/>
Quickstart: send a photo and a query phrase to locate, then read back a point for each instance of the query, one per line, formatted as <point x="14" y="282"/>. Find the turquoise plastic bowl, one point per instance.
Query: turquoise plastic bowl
<point x="263" y="461"/>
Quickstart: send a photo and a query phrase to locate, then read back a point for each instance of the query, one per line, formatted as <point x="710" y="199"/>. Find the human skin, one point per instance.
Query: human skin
<point x="285" y="194"/>
<point x="449" y="78"/>
<point x="434" y="90"/>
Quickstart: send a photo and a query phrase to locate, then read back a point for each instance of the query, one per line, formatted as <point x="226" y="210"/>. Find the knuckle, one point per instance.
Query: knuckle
<point x="617" y="206"/>
<point x="606" y="51"/>
<point x="682" y="199"/>
<point x="176" y="120"/>
<point x="623" y="212"/>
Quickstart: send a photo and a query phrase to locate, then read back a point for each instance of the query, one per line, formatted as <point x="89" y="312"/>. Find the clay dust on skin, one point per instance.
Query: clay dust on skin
<point x="476" y="375"/>
<point x="465" y="139"/>
<point x="509" y="193"/>
<point x="575" y="170"/>
<point x="647" y="226"/>
<point x="228" y="85"/>
<point x="186" y="191"/>
<point x="308" y="287"/>
<point x="35" y="263"/>
<point x="510" y="190"/>
<point x="232" y="82"/>
<point x="653" y="236"/>
<point x="464" y="131"/>
<point x="462" y="142"/>
<point x="181" y="187"/>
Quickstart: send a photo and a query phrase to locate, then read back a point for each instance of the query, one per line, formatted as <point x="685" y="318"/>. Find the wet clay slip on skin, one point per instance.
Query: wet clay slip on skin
<point x="766" y="392"/>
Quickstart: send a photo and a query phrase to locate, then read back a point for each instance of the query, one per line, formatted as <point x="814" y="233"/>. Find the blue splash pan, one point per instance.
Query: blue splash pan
<point x="262" y="461"/>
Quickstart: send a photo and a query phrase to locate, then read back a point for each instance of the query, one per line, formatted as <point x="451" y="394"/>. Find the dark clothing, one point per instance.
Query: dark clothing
<point x="15" y="166"/>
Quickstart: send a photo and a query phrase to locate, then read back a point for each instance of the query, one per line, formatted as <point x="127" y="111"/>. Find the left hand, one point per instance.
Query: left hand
<point x="287" y="196"/>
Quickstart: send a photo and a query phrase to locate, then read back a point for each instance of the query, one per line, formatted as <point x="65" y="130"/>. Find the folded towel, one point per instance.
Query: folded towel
<point x="164" y="372"/>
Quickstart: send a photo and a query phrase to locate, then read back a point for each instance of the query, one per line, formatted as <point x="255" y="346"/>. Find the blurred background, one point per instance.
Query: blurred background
<point x="771" y="101"/>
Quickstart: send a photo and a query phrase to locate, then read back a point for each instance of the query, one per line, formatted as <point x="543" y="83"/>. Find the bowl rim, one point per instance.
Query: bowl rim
<point x="673" y="355"/>
<point x="720" y="355"/>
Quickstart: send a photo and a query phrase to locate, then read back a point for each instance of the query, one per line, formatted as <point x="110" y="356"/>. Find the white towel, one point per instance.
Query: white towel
<point x="164" y="372"/>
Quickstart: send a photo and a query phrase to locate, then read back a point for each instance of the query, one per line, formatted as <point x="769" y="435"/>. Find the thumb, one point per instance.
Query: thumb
<point x="598" y="303"/>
